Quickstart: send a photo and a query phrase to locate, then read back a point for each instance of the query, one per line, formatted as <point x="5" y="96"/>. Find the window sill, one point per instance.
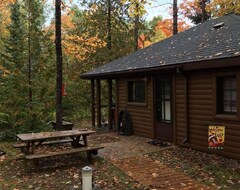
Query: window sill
<point x="137" y="104"/>
<point x="226" y="117"/>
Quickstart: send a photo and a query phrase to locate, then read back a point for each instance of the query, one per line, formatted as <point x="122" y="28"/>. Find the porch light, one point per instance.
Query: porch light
<point x="87" y="178"/>
<point x="179" y="70"/>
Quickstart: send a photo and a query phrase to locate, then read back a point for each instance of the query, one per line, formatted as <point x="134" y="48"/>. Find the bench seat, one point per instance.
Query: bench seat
<point x="89" y="150"/>
<point x="23" y="145"/>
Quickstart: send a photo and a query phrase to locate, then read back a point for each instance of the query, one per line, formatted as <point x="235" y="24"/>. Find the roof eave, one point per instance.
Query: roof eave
<point x="186" y="66"/>
<point x="117" y="74"/>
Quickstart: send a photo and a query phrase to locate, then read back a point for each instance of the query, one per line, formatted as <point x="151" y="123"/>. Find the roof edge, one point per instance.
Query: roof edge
<point x="219" y="62"/>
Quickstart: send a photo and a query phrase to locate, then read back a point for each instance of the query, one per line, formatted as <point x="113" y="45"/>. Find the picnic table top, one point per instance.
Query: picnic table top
<point x="53" y="134"/>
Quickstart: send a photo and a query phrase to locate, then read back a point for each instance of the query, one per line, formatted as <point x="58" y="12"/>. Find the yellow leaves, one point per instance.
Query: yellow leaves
<point x="220" y="7"/>
<point x="94" y="7"/>
<point x="67" y="23"/>
<point x="5" y="16"/>
<point x="137" y="7"/>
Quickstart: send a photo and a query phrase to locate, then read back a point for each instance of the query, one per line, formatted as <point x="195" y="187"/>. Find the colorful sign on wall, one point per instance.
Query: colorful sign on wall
<point x="216" y="137"/>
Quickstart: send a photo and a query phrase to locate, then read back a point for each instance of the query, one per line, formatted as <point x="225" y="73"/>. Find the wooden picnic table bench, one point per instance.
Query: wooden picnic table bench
<point x="29" y="142"/>
<point x="89" y="150"/>
<point x="24" y="145"/>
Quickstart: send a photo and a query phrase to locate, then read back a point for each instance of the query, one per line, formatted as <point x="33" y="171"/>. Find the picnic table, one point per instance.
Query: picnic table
<point x="29" y="142"/>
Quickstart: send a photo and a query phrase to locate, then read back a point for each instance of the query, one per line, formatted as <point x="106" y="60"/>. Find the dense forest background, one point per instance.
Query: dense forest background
<point x="94" y="32"/>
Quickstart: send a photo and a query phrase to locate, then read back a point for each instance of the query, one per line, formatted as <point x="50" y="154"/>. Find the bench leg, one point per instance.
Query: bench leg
<point x="89" y="156"/>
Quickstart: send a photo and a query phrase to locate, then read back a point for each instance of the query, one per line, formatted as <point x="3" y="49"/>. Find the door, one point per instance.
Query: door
<point x="163" y="109"/>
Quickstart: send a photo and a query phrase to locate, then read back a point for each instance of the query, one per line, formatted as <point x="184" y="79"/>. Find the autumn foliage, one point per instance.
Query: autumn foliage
<point x="162" y="30"/>
<point x="76" y="46"/>
<point x="214" y="8"/>
<point x="27" y="40"/>
<point x="166" y="26"/>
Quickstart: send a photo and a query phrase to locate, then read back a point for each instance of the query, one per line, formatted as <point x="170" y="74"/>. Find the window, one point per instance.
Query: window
<point x="136" y="91"/>
<point x="226" y="95"/>
<point x="163" y="100"/>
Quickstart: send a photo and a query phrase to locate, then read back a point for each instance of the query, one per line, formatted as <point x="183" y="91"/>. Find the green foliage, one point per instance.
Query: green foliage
<point x="76" y="104"/>
<point x="13" y="86"/>
<point x="153" y="23"/>
<point x="29" y="49"/>
<point x="27" y="41"/>
<point x="4" y="119"/>
<point x="7" y="135"/>
<point x="149" y="29"/>
<point x="158" y="36"/>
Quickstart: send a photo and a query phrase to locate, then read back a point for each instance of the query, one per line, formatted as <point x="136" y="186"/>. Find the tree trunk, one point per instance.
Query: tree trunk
<point x="175" y="17"/>
<point x="203" y="6"/>
<point x="58" y="43"/>
<point x="29" y="67"/>
<point x="136" y="27"/>
<point x="109" y="45"/>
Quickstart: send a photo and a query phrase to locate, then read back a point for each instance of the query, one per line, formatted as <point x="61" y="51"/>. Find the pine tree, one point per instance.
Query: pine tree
<point x="27" y="90"/>
<point x="14" y="86"/>
<point x="34" y="22"/>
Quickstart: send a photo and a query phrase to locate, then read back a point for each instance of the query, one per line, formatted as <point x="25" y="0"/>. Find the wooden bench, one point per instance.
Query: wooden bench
<point x="89" y="150"/>
<point x="23" y="145"/>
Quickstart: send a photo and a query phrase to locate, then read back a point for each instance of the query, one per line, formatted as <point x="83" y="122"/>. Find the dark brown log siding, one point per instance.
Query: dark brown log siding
<point x="201" y="114"/>
<point x="141" y="114"/>
<point x="180" y="109"/>
<point x="201" y="111"/>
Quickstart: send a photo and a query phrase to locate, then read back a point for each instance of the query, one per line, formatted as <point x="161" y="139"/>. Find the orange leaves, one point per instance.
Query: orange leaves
<point x="67" y="23"/>
<point x="143" y="42"/>
<point x="80" y="46"/>
<point x="166" y="26"/>
<point x="74" y="45"/>
<point x="218" y="8"/>
<point x="5" y="2"/>
<point x="163" y="29"/>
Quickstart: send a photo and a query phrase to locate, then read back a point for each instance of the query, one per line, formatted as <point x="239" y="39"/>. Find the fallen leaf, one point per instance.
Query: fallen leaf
<point x="76" y="175"/>
<point x="183" y="184"/>
<point x="154" y="174"/>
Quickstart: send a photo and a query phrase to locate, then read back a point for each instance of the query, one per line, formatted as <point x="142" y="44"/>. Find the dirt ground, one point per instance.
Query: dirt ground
<point x="64" y="173"/>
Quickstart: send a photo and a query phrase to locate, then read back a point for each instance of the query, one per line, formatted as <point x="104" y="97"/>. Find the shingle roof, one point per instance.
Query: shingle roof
<point x="200" y="43"/>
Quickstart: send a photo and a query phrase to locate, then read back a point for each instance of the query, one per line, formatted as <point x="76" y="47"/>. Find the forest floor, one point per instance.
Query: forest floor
<point x="64" y="173"/>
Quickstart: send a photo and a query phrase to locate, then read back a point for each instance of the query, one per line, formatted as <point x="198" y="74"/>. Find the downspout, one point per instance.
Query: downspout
<point x="186" y="110"/>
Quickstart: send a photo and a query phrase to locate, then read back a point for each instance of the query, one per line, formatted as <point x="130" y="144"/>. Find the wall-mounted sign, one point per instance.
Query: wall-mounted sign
<point x="216" y="137"/>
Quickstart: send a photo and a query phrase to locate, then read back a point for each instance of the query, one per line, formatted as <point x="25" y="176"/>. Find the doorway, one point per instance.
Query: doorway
<point x="163" y="109"/>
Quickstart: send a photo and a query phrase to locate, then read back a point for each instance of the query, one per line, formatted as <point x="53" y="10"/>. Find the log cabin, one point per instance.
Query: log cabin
<point x="182" y="90"/>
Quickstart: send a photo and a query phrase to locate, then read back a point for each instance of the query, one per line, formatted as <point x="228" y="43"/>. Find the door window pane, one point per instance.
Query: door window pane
<point x="163" y="100"/>
<point x="167" y="111"/>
